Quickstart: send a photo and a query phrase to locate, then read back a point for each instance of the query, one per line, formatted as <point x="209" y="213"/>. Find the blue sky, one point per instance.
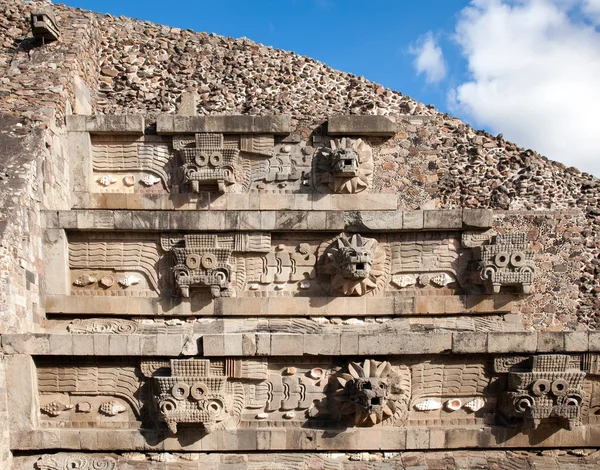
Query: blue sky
<point x="525" y="68"/>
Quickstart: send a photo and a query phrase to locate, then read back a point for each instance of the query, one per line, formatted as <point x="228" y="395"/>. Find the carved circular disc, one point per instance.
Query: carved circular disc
<point x="517" y="259"/>
<point x="214" y="406"/>
<point x="540" y="387"/>
<point x="198" y="391"/>
<point x="201" y="159"/>
<point x="502" y="259"/>
<point x="560" y="387"/>
<point x="209" y="261"/>
<point x="193" y="261"/>
<point x="573" y="400"/>
<point x="180" y="391"/>
<point x="216" y="159"/>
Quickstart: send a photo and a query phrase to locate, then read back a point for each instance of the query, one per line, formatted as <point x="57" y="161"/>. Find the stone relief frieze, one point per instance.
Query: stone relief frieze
<point x="220" y="394"/>
<point x="76" y="462"/>
<point x="225" y="163"/>
<point x="250" y="264"/>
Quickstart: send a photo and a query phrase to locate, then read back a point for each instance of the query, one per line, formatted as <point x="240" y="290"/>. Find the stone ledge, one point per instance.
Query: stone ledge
<point x="276" y="344"/>
<point x="278" y="438"/>
<point x="106" y="124"/>
<point x="233" y="124"/>
<point x="375" y="126"/>
<point x="235" y="202"/>
<point x="268" y="220"/>
<point x="279" y="306"/>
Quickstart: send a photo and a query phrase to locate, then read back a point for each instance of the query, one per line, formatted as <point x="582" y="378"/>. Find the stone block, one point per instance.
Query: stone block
<point x="232" y="344"/>
<point x="230" y="124"/>
<point x="263" y="344"/>
<point x="61" y="345"/>
<point x="351" y="125"/>
<point x="513" y="342"/>
<point x="83" y="345"/>
<point x="21" y="387"/>
<point x="479" y="218"/>
<point x="469" y="343"/>
<point x="594" y="341"/>
<point x="550" y="342"/>
<point x="188" y="104"/>
<point x="213" y="345"/>
<point x="56" y="262"/>
<point x="286" y="345"/>
<point x="348" y="344"/>
<point x="79" y="150"/>
<point x="107" y="124"/>
<point x="322" y="345"/>
<point x="442" y="219"/>
<point x="412" y="220"/>
<point x="417" y="438"/>
<point x="405" y="343"/>
<point x="576" y="341"/>
<point x="117" y="345"/>
<point x="373" y="221"/>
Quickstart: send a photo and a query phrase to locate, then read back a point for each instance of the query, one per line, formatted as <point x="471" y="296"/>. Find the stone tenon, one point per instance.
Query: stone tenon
<point x="242" y="290"/>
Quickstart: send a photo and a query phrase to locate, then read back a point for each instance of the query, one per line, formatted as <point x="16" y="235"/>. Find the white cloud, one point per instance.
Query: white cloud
<point x="429" y="59"/>
<point x="535" y="68"/>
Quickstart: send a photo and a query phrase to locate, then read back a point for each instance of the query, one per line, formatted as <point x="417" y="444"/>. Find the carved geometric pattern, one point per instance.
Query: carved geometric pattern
<point x="76" y="462"/>
<point x="544" y="387"/>
<point x="508" y="262"/>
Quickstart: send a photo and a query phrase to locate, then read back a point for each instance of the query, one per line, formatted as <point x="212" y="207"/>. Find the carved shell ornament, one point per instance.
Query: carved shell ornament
<point x="346" y="167"/>
<point x="355" y="265"/>
<point x="371" y="392"/>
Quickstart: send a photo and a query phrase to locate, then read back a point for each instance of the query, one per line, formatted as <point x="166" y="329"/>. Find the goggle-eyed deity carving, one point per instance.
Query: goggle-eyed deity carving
<point x="346" y="167"/>
<point x="210" y="161"/>
<point x="508" y="262"/>
<point x="355" y="265"/>
<point x="544" y="387"/>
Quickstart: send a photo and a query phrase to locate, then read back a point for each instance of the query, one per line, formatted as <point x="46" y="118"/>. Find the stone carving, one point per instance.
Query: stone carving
<point x="508" y="262"/>
<point x="205" y="260"/>
<point x="205" y="393"/>
<point x="118" y="381"/>
<point x="55" y="408"/>
<point x="282" y="267"/>
<point x="76" y="462"/>
<point x="44" y="25"/>
<point x="209" y="160"/>
<point x="103" y="326"/>
<point x="355" y="265"/>
<point x="346" y="167"/>
<point x="372" y="392"/>
<point x="428" y="259"/>
<point x="150" y="157"/>
<point x="544" y="387"/>
<point x="115" y="252"/>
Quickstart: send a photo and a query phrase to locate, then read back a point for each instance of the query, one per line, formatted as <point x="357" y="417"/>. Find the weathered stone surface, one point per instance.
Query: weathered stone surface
<point x="278" y="125"/>
<point x="376" y="126"/>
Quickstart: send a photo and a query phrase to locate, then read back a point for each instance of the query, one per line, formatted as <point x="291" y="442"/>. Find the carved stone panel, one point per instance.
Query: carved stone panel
<point x="508" y="262"/>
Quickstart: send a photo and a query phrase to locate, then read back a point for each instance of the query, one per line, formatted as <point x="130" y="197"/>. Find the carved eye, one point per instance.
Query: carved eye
<point x="573" y="400"/>
<point x="209" y="261"/>
<point x="517" y="259"/>
<point x="198" y="391"/>
<point x="559" y="387"/>
<point x="193" y="260"/>
<point x="540" y="387"/>
<point x="201" y="159"/>
<point x="502" y="259"/>
<point x="167" y="406"/>
<point x="180" y="391"/>
<point x="216" y="159"/>
<point x="214" y="406"/>
<point x="523" y="404"/>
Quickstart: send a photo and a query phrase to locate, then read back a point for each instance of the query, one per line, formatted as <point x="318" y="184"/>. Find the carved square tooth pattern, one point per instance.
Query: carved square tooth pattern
<point x="193" y="367"/>
<point x="550" y="363"/>
<point x="209" y="141"/>
<point x="518" y="239"/>
<point x="200" y="243"/>
<point x="231" y="141"/>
